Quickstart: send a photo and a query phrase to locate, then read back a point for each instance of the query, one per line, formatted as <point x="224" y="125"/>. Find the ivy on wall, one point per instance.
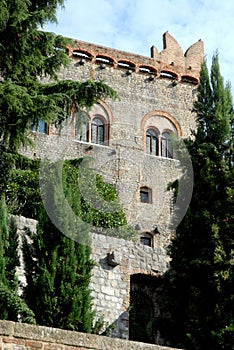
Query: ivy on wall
<point x="99" y="200"/>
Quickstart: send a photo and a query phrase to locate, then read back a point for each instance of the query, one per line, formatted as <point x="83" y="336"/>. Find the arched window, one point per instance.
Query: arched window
<point x="166" y="145"/>
<point x="152" y="142"/>
<point x="97" y="131"/>
<point x="145" y="195"/>
<point x="160" y="130"/>
<point x="94" y="127"/>
<point x="146" y="239"/>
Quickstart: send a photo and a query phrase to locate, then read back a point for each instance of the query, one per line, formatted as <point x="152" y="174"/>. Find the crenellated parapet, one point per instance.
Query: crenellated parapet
<point x="170" y="63"/>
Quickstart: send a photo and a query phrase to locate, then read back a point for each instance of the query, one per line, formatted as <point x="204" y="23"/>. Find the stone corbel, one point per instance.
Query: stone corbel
<point x="111" y="259"/>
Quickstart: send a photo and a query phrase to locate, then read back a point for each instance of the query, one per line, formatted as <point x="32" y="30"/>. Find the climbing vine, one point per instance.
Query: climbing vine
<point x="98" y="199"/>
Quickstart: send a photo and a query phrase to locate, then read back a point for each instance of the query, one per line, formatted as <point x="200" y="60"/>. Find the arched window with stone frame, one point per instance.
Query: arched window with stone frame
<point x="158" y="130"/>
<point x="94" y="127"/>
<point x="146" y="239"/>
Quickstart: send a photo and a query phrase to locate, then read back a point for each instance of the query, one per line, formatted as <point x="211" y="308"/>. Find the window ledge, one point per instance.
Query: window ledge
<point x="92" y="144"/>
<point x="163" y="158"/>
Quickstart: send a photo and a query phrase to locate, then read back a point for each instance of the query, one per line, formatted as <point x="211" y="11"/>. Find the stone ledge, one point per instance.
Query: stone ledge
<point x="10" y="331"/>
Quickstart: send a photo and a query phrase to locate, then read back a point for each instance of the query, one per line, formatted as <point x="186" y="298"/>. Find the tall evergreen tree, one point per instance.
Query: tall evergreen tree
<point x="27" y="56"/>
<point x="198" y="289"/>
<point x="57" y="262"/>
<point x="58" y="268"/>
<point x="58" y="272"/>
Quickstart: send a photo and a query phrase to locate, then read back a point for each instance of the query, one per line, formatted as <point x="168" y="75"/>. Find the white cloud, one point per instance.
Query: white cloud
<point x="136" y="25"/>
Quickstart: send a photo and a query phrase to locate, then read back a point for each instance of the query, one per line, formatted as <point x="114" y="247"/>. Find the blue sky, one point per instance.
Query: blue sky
<point x="136" y="25"/>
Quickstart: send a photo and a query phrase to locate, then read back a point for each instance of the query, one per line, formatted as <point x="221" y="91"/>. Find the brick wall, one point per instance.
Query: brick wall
<point x="20" y="336"/>
<point x="171" y="58"/>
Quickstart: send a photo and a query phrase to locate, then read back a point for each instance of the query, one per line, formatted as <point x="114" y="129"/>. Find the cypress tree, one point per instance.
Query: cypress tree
<point x="58" y="268"/>
<point x="198" y="289"/>
<point x="57" y="262"/>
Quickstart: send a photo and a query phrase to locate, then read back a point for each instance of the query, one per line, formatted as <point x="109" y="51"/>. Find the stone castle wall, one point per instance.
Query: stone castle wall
<point x="110" y="285"/>
<point x="123" y="161"/>
<point x="156" y="92"/>
<point x="170" y="59"/>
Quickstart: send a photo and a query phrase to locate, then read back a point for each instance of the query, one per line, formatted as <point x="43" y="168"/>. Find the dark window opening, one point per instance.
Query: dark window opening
<point x="143" y="308"/>
<point x="145" y="195"/>
<point x="189" y="79"/>
<point x="146" y="239"/>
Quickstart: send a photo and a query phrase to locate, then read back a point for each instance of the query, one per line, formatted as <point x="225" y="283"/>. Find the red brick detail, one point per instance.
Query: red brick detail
<point x="53" y="347"/>
<point x="32" y="345"/>
<point x="170" y="58"/>
<point x="14" y="341"/>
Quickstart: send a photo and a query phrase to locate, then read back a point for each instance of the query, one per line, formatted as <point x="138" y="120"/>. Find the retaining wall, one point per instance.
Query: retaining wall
<point x="21" y="336"/>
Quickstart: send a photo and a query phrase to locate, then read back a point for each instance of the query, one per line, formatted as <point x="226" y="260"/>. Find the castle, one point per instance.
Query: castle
<point x="130" y="142"/>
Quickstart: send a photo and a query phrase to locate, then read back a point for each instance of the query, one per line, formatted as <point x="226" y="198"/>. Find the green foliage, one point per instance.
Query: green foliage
<point x="12" y="306"/>
<point x="6" y="163"/>
<point x="27" y="57"/>
<point x="65" y="96"/>
<point x="103" y="328"/>
<point x="58" y="265"/>
<point x="22" y="190"/>
<point x="197" y="296"/>
<point x="23" y="193"/>
<point x="3" y="239"/>
<point x="99" y="203"/>
<point x="58" y="272"/>
<point x="104" y="218"/>
<point x="28" y="52"/>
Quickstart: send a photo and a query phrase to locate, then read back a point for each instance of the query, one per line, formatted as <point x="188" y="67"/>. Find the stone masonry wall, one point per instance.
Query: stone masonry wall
<point x="110" y="285"/>
<point x="154" y="92"/>
<point x="123" y="160"/>
<point x="21" y="336"/>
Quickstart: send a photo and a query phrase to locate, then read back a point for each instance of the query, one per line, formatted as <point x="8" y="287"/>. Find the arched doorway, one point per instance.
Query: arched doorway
<point x="143" y="308"/>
